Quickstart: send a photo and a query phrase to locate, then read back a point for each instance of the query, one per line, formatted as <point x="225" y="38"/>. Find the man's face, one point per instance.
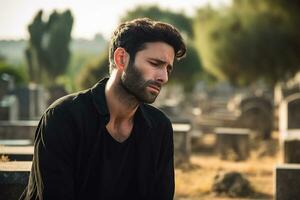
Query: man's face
<point x="149" y="72"/>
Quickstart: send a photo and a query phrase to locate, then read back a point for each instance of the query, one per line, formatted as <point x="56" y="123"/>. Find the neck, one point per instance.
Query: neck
<point x="121" y="105"/>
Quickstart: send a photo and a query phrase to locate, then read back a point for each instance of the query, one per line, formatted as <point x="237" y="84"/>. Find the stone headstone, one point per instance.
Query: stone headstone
<point x="289" y="113"/>
<point x="17" y="129"/>
<point x="3" y="88"/>
<point x="40" y="97"/>
<point x="6" y="85"/>
<point x="256" y="113"/>
<point x="32" y="101"/>
<point x="233" y="143"/>
<point x="287" y="181"/>
<point x="182" y="142"/>
<point x="13" y="178"/>
<point x="9" y="108"/>
<point x="283" y="90"/>
<point x="291" y="146"/>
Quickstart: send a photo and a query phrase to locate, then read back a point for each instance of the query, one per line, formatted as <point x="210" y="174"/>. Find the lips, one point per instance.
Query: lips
<point x="157" y="88"/>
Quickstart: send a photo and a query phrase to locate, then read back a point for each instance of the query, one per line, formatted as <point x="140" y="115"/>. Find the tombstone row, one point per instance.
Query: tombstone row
<point x="23" y="103"/>
<point x="26" y="102"/>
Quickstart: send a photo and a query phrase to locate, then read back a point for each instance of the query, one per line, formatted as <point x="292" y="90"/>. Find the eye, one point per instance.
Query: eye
<point x="154" y="64"/>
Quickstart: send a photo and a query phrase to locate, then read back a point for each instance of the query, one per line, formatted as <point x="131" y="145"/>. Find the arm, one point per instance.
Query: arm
<point x="165" y="183"/>
<point x="52" y="171"/>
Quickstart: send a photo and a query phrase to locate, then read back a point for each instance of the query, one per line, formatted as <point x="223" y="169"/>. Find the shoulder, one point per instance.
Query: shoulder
<point x="156" y="116"/>
<point x="70" y="107"/>
<point x="64" y="114"/>
<point x="71" y="101"/>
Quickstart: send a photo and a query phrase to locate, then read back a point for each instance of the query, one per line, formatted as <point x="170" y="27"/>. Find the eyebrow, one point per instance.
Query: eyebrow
<point x="161" y="62"/>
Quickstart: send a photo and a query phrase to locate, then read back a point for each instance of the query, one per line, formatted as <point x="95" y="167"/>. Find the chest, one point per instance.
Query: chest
<point x="121" y="131"/>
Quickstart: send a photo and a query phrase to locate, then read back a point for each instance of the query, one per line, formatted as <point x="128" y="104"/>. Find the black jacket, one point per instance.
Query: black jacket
<point x="67" y="144"/>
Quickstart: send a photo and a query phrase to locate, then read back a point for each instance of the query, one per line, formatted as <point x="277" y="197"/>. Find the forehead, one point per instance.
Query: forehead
<point x="157" y="50"/>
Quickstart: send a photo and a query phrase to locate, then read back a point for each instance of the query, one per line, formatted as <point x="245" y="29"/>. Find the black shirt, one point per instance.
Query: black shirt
<point x="72" y="159"/>
<point x="117" y="166"/>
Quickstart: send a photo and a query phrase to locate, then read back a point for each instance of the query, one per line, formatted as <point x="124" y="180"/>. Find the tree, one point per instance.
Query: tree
<point x="187" y="71"/>
<point x="93" y="72"/>
<point x="17" y="72"/>
<point x="48" y="53"/>
<point x="249" y="41"/>
<point x="179" y="20"/>
<point x="34" y="53"/>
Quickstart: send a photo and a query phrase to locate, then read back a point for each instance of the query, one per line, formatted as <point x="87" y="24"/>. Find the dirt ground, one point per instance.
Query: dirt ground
<point x="194" y="180"/>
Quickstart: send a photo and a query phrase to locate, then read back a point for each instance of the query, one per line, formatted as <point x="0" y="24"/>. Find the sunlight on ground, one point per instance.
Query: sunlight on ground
<point x="194" y="180"/>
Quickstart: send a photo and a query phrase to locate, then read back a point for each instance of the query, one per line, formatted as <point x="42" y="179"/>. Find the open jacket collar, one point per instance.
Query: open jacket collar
<point x="143" y="121"/>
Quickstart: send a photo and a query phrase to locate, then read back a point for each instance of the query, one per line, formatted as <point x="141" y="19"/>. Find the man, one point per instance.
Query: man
<point x="106" y="142"/>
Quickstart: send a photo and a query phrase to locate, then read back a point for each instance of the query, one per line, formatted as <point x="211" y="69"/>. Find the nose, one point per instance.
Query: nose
<point x="162" y="76"/>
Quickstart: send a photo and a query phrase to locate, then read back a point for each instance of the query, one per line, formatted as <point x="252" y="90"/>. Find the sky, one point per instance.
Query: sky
<point x="91" y="16"/>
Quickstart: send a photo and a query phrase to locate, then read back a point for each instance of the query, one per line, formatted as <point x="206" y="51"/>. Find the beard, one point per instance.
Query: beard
<point x="134" y="84"/>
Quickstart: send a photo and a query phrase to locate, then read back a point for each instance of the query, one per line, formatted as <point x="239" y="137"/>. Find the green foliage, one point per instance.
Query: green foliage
<point x="48" y="52"/>
<point x="249" y="41"/>
<point x="2" y="58"/>
<point x="60" y="27"/>
<point x="93" y="72"/>
<point x="187" y="71"/>
<point x="17" y="72"/>
<point x="36" y="30"/>
<point x="78" y="61"/>
<point x="179" y="20"/>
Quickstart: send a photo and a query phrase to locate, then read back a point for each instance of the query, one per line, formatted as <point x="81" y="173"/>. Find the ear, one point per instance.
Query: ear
<point x="121" y="58"/>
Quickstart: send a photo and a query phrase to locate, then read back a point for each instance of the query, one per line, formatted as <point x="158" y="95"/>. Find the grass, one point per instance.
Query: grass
<point x="194" y="180"/>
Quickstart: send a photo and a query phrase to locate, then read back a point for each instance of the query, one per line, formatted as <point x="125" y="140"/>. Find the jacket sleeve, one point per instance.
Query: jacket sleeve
<point x="52" y="173"/>
<point x="164" y="185"/>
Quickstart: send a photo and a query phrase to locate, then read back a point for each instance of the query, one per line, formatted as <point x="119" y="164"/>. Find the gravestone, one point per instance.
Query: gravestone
<point x="287" y="181"/>
<point x="40" y="98"/>
<point x="233" y="143"/>
<point x="17" y="129"/>
<point x="289" y="128"/>
<point x="3" y="88"/>
<point x="291" y="146"/>
<point x="32" y="101"/>
<point x="182" y="142"/>
<point x="6" y="85"/>
<point x="13" y="178"/>
<point x="256" y="113"/>
<point x="9" y="108"/>
<point x="289" y="113"/>
<point x="286" y="90"/>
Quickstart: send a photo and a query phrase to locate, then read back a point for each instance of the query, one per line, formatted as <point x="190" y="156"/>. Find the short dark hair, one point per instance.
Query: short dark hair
<point x="132" y="36"/>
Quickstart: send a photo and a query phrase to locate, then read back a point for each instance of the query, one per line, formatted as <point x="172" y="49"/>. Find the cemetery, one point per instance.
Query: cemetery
<point x="233" y="101"/>
<point x="223" y="159"/>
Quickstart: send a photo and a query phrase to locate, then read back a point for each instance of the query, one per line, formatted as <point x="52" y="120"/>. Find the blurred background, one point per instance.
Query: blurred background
<point x="233" y="100"/>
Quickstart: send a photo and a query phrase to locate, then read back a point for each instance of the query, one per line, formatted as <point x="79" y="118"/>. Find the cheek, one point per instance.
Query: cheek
<point x="148" y="75"/>
<point x="146" y="71"/>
